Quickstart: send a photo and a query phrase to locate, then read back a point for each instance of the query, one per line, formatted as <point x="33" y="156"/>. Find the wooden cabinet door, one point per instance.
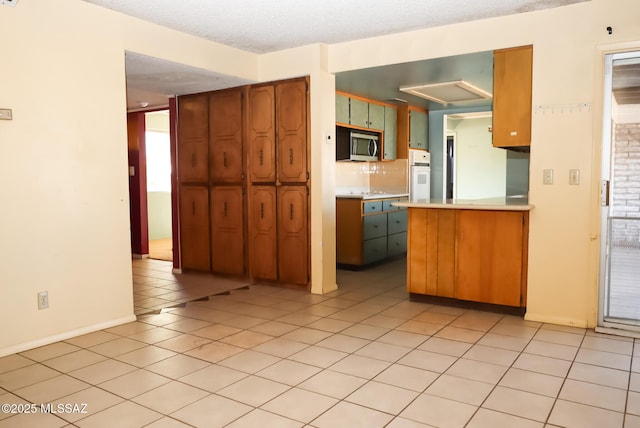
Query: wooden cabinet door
<point x="418" y="134"/>
<point x="263" y="235"/>
<point x="194" y="227"/>
<point x="193" y="135"/>
<point x="227" y="230"/>
<point x="376" y="116"/>
<point x="293" y="240"/>
<point x="342" y="109"/>
<point x="489" y="264"/>
<point x="225" y="136"/>
<point x="431" y="252"/>
<point x="261" y="134"/>
<point x="291" y="120"/>
<point x="512" y="81"/>
<point x="390" y="130"/>
<point x="358" y="113"/>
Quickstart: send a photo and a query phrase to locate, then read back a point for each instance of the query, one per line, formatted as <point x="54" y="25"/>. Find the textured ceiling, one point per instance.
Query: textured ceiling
<point x="261" y="26"/>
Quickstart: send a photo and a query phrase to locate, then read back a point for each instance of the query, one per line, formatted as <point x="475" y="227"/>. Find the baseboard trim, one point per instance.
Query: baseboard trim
<point x="570" y="322"/>
<point x="9" y="350"/>
<point x="139" y="256"/>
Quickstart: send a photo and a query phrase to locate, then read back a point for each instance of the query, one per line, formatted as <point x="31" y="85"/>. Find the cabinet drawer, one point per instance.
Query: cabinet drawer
<point x="397" y="244"/>
<point x="374" y="250"/>
<point x="397" y="222"/>
<point x="372" y="207"/>
<point x="374" y="226"/>
<point x="386" y="205"/>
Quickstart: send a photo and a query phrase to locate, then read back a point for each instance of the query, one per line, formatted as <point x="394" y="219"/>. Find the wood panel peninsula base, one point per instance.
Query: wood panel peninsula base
<point x="469" y="251"/>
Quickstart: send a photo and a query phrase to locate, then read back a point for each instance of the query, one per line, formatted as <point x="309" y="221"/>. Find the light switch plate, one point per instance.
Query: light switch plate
<point x="6" y="114"/>
<point x="574" y="177"/>
<point x="547" y="176"/>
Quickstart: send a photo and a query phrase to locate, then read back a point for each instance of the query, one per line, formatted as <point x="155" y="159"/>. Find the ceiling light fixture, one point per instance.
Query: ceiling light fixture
<point x="447" y="93"/>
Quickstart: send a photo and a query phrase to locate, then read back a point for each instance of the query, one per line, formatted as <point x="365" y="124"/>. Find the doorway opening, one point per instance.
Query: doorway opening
<point x="619" y="294"/>
<point x="158" y="159"/>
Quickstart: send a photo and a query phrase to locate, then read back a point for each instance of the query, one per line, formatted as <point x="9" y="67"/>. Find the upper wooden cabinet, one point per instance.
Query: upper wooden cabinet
<point x="193" y="135"/>
<point x="291" y="127"/>
<point x="261" y="134"/>
<point x="512" y="81"/>
<point x="225" y="136"/>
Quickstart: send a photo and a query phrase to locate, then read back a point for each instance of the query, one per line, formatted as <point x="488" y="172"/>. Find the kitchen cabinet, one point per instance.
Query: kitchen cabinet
<point x="225" y="136"/>
<point x="193" y="139"/>
<point x="291" y="108"/>
<point x="418" y="129"/>
<point x="261" y="134"/>
<point x="512" y="82"/>
<point x="368" y="231"/>
<point x="342" y="109"/>
<point x="490" y="256"/>
<point x="412" y="130"/>
<point x="468" y="254"/>
<point x="194" y="227"/>
<point x="366" y="115"/>
<point x="227" y="230"/>
<point x="390" y="131"/>
<point x="431" y="252"/>
<point x="360" y="113"/>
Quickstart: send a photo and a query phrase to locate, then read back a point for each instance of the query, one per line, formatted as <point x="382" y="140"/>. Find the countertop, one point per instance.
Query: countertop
<point x="371" y="195"/>
<point x="496" y="204"/>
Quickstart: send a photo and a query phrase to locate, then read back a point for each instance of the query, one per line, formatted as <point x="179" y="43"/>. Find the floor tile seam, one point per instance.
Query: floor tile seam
<point x="52" y="400"/>
<point x="626" y="401"/>
<point x="595" y="383"/>
<point x="497" y="383"/>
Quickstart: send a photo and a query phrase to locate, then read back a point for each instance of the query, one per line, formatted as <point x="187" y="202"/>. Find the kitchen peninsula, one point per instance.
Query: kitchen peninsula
<point x="469" y="250"/>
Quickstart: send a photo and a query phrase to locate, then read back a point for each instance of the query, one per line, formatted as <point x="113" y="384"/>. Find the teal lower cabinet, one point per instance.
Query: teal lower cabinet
<point x="368" y="231"/>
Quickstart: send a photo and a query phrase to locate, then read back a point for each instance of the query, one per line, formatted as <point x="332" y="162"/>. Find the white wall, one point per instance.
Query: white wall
<point x="64" y="221"/>
<point x="480" y="169"/>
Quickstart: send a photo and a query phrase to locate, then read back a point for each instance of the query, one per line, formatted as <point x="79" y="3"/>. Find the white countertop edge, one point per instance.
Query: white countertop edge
<point x="372" y="196"/>
<point x="505" y="205"/>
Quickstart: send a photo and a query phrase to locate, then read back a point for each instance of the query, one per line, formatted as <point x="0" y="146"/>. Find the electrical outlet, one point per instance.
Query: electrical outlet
<point x="43" y="300"/>
<point x="547" y="176"/>
<point x="574" y="177"/>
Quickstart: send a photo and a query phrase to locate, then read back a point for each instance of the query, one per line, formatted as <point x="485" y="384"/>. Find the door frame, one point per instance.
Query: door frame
<point x="602" y="170"/>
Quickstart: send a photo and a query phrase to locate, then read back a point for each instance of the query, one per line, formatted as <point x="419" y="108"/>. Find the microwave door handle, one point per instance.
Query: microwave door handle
<point x="372" y="143"/>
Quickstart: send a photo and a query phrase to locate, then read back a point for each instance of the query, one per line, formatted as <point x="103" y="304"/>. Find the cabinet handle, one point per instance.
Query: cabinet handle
<point x="225" y="208"/>
<point x="224" y="159"/>
<point x="261" y="209"/>
<point x="193" y="207"/>
<point x="193" y="160"/>
<point x="290" y="156"/>
<point x="290" y="211"/>
<point x="260" y="157"/>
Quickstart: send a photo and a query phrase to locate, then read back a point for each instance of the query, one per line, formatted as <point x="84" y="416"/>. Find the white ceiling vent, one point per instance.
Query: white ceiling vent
<point x="446" y="93"/>
<point x="8" y="2"/>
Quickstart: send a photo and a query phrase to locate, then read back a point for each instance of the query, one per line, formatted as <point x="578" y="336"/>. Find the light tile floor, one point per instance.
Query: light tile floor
<point x="363" y="356"/>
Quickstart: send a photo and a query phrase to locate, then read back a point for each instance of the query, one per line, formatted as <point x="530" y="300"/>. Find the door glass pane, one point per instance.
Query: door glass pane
<point x="622" y="294"/>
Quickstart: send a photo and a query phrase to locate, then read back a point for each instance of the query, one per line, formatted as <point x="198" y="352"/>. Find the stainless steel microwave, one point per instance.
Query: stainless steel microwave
<point x="355" y="145"/>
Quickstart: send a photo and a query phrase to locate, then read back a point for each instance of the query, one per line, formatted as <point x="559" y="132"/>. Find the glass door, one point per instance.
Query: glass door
<point x="619" y="296"/>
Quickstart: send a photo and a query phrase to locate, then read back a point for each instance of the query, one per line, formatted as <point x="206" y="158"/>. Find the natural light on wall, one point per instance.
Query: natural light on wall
<point x="158" y="162"/>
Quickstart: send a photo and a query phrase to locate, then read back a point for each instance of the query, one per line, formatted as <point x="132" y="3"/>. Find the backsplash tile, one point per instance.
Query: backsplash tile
<point x="388" y="176"/>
